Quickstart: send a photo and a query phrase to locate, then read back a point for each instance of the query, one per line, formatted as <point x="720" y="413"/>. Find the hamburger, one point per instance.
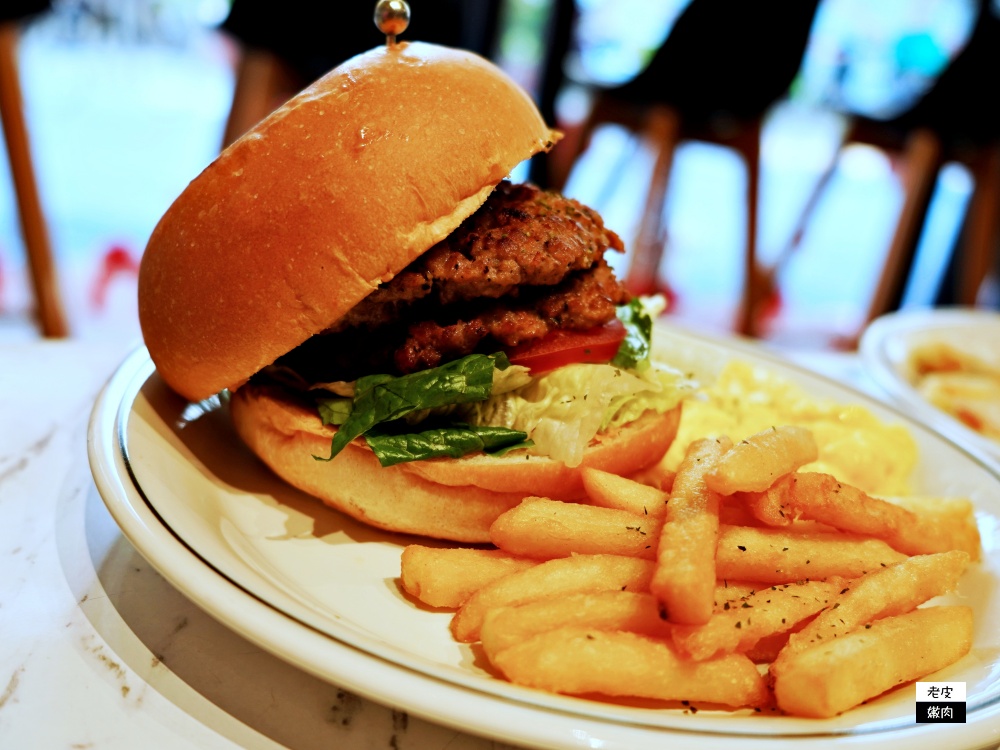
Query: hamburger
<point x="400" y="330"/>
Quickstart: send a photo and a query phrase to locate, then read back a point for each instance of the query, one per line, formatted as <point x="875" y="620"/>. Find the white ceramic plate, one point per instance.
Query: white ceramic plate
<point x="319" y="590"/>
<point x="888" y="342"/>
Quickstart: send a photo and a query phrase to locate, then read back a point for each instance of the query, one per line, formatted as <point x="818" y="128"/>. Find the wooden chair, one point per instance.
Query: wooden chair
<point x="720" y="69"/>
<point x="977" y="256"/>
<point x="41" y="266"/>
<point x="955" y="120"/>
<point x="919" y="155"/>
<point x="263" y="83"/>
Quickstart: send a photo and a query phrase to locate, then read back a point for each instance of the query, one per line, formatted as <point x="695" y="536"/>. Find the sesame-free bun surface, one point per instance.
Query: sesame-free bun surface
<point x="331" y="195"/>
<point x="411" y="497"/>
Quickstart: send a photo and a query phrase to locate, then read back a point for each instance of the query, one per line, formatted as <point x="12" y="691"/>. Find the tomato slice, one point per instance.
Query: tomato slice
<point x="564" y="347"/>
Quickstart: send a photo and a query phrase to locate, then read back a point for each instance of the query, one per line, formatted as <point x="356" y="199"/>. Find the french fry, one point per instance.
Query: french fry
<point x="831" y="678"/>
<point x="635" y="612"/>
<point x="579" y="661"/>
<point x="659" y="476"/>
<point x="779" y="505"/>
<point x="727" y="591"/>
<point x="446" y="577"/>
<point x="684" y="579"/>
<point x="754" y="464"/>
<point x="630" y="611"/>
<point x="612" y="491"/>
<point x="541" y="528"/>
<point x="953" y="516"/>
<point x="734" y="579"/>
<point x="558" y="577"/>
<point x="772" y="506"/>
<point x="821" y="497"/>
<point x="777" y="556"/>
<point x="884" y="592"/>
<point x="775" y="609"/>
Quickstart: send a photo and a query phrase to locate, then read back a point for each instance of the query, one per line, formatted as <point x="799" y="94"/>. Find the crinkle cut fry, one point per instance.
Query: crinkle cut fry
<point x="684" y="579"/>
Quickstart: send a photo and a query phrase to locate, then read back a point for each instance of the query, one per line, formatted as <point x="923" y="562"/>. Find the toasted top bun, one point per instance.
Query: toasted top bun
<point x="331" y="195"/>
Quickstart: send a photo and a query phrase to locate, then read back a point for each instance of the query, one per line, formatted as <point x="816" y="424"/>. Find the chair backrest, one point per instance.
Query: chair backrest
<point x="311" y="39"/>
<point x="727" y="55"/>
<point x="286" y="46"/>
<point x="954" y="119"/>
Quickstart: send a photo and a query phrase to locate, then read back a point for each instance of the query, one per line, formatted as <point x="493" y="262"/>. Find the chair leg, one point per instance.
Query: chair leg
<point x="262" y="82"/>
<point x="754" y="291"/>
<point x="812" y="202"/>
<point x="577" y="139"/>
<point x="616" y="172"/>
<point x="41" y="266"/>
<point x="982" y="229"/>
<point x="921" y="162"/>
<point x="661" y="129"/>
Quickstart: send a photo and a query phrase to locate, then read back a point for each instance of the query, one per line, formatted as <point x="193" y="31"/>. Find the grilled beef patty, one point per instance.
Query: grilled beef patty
<point x="527" y="262"/>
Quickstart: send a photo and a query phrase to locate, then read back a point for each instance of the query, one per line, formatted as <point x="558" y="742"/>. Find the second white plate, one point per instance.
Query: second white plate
<point x="889" y="342"/>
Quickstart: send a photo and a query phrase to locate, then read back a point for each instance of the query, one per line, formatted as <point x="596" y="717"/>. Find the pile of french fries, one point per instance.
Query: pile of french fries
<point x="737" y="581"/>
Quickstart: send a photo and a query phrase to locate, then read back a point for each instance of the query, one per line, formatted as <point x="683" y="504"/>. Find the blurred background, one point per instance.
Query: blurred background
<point x="786" y="170"/>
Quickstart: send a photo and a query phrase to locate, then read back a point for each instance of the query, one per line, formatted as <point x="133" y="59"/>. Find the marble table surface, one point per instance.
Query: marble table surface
<point x="97" y="650"/>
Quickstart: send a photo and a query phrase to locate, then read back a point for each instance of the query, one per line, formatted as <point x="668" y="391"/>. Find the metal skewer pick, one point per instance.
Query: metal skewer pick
<point x="392" y="17"/>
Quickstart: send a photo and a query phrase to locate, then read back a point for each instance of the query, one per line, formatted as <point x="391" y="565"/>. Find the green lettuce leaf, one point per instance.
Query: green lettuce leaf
<point x="563" y="410"/>
<point x="334" y="410"/>
<point x="637" y="317"/>
<point x="384" y="398"/>
<point x="453" y="441"/>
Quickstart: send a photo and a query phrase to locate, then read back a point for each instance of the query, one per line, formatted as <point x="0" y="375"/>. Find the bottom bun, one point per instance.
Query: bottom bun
<point x="427" y="498"/>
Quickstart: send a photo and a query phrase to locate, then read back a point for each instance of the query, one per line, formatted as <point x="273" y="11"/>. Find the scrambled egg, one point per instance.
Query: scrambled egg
<point x="854" y="445"/>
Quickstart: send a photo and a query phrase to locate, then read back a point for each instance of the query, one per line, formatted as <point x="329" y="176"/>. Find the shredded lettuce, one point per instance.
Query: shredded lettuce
<point x="563" y="410"/>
